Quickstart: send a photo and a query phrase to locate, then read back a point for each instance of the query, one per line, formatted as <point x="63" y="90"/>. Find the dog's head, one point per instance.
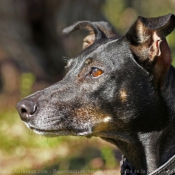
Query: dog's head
<point x="112" y="87"/>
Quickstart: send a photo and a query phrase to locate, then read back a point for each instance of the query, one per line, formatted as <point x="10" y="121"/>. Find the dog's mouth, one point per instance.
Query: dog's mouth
<point x="60" y="132"/>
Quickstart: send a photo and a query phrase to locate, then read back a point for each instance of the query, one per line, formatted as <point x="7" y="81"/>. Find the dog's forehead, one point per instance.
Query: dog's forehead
<point x="112" y="49"/>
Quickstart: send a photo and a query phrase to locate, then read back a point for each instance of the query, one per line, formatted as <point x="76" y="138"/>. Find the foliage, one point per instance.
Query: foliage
<point x="27" y="80"/>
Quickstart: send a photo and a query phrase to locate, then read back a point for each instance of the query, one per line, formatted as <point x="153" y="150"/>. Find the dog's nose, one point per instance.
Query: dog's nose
<point x="26" y="109"/>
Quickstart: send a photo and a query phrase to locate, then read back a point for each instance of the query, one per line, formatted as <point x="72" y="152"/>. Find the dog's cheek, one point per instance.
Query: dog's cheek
<point x="88" y="114"/>
<point x="91" y="116"/>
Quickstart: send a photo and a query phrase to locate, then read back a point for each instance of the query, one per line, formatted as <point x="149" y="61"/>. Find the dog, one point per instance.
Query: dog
<point x="120" y="89"/>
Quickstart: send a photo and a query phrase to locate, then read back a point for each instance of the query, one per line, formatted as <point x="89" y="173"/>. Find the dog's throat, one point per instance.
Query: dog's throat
<point x="136" y="164"/>
<point x="134" y="152"/>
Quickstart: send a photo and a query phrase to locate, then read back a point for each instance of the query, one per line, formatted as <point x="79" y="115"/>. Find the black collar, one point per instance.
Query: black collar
<point x="166" y="169"/>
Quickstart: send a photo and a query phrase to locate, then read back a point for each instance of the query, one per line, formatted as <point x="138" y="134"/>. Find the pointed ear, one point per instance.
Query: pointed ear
<point x="97" y="30"/>
<point x="148" y="44"/>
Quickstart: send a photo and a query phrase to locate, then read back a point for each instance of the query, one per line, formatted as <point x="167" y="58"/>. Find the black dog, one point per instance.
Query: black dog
<point x="119" y="89"/>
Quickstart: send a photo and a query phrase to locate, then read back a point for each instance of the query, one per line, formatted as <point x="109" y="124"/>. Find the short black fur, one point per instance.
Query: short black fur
<point x="130" y="103"/>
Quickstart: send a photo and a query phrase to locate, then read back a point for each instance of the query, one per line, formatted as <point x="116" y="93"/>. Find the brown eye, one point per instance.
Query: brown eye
<point x="95" y="72"/>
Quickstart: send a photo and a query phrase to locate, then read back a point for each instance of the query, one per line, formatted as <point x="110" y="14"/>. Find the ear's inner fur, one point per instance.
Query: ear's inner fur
<point x="97" y="30"/>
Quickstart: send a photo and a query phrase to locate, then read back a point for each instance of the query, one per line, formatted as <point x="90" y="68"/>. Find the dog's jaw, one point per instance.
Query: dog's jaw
<point x="62" y="132"/>
<point x="51" y="134"/>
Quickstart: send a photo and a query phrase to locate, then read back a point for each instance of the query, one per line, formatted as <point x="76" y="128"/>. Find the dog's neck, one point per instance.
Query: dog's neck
<point x="143" y="153"/>
<point x="148" y="151"/>
<point x="159" y="146"/>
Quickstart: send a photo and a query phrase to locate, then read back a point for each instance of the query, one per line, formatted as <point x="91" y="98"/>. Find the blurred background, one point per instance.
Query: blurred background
<point x="33" y="51"/>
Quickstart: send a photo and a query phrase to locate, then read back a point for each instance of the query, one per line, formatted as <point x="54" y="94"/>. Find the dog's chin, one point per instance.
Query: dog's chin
<point x="60" y="132"/>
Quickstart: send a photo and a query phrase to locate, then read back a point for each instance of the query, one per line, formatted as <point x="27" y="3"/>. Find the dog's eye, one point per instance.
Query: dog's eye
<point x="95" y="72"/>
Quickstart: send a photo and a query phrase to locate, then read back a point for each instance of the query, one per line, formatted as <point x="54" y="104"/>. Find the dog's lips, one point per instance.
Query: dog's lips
<point x="60" y="132"/>
<point x="52" y="133"/>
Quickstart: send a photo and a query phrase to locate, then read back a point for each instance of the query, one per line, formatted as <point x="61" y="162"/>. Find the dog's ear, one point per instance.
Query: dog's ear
<point x="97" y="30"/>
<point x="148" y="44"/>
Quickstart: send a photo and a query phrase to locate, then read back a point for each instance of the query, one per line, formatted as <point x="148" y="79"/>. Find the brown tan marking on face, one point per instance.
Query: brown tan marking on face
<point x="94" y="117"/>
<point x="123" y="95"/>
<point x="92" y="114"/>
